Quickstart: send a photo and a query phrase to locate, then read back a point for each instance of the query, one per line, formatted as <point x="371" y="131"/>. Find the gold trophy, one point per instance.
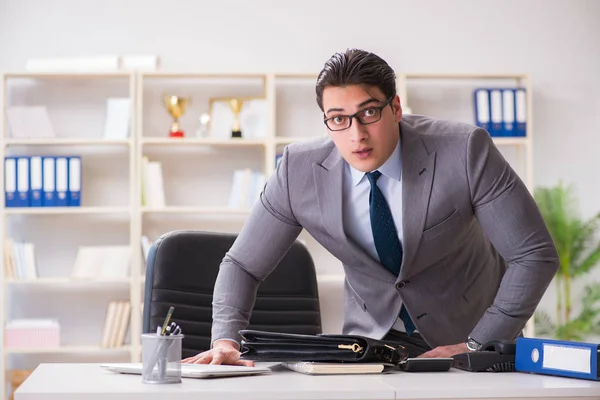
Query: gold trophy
<point x="236" y="107"/>
<point x="176" y="107"/>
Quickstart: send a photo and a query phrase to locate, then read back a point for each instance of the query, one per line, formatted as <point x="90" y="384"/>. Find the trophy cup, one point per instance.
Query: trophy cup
<point x="176" y="107"/>
<point x="236" y="106"/>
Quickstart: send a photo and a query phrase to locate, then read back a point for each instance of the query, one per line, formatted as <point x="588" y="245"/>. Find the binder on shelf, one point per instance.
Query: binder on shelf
<point x="10" y="182"/>
<point x="22" y="181"/>
<point x="62" y="182"/>
<point x="482" y="109"/>
<point x="496" y="113"/>
<point x="508" y="112"/>
<point x="49" y="182"/>
<point x="75" y="181"/>
<point x="520" y="112"/>
<point x="557" y="357"/>
<point x="36" y="171"/>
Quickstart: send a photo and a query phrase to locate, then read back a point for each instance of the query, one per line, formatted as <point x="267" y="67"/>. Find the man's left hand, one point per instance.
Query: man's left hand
<point x="445" y="351"/>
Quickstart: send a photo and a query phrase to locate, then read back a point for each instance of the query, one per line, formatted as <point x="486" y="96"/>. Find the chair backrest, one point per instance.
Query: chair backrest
<point x="181" y="271"/>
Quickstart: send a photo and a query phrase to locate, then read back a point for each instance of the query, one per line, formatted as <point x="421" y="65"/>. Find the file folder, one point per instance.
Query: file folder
<point x="559" y="358"/>
<point x="496" y="113"/>
<point x="482" y="109"/>
<point x="521" y="112"/>
<point x="22" y="181"/>
<point x="74" y="181"/>
<point x="35" y="192"/>
<point x="508" y="112"/>
<point x="49" y="182"/>
<point x="62" y="182"/>
<point x="10" y="182"/>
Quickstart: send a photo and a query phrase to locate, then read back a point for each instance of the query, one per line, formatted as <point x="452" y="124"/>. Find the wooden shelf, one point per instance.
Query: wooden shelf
<point x="434" y="75"/>
<point x="67" y="142"/>
<point x="299" y="75"/>
<point x="291" y="139"/>
<point x="194" y="210"/>
<point x="202" y="141"/>
<point x="68" y="75"/>
<point x="69" y="281"/>
<point x="69" y="350"/>
<point x="510" y="141"/>
<point x="65" y="210"/>
<point x="199" y="75"/>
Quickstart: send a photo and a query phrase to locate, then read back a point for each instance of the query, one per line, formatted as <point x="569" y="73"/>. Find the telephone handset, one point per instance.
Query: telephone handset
<point x="494" y="356"/>
<point x="507" y="347"/>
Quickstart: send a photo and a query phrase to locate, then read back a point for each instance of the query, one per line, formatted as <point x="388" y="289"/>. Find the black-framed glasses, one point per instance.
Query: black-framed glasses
<point x="366" y="116"/>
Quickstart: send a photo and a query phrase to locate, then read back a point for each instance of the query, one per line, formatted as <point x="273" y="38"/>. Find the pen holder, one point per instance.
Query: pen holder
<point x="161" y="358"/>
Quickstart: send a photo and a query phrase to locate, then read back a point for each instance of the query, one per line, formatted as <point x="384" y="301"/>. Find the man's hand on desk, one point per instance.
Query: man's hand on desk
<point x="446" y="351"/>
<point x="222" y="352"/>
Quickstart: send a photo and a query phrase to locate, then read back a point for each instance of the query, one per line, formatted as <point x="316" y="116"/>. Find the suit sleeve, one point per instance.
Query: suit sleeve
<point x="266" y="237"/>
<point x="510" y="218"/>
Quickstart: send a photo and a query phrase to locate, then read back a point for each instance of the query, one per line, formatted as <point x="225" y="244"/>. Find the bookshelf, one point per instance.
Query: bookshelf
<point x="113" y="178"/>
<point x="76" y="106"/>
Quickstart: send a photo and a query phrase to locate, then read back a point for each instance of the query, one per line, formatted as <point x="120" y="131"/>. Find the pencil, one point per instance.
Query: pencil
<point x="167" y="319"/>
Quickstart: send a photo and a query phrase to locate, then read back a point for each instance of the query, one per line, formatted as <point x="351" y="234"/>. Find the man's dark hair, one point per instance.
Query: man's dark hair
<point x="356" y="67"/>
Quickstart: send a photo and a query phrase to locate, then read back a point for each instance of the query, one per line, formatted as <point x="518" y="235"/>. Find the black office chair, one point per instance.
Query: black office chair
<point x="181" y="271"/>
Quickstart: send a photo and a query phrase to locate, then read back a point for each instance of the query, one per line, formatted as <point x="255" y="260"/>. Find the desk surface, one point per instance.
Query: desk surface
<point x="90" y="381"/>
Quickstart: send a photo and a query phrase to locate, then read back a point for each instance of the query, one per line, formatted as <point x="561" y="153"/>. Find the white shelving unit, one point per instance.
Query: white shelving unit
<point x="189" y="166"/>
<point x="76" y="106"/>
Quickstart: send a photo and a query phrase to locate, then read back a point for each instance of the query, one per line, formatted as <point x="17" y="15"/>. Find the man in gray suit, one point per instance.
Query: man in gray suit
<point x="442" y="245"/>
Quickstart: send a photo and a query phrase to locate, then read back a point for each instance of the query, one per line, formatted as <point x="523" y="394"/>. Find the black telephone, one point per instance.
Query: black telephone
<point x="494" y="356"/>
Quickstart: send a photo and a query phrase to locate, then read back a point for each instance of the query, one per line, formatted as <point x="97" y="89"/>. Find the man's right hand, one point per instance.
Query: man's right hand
<point x="222" y="352"/>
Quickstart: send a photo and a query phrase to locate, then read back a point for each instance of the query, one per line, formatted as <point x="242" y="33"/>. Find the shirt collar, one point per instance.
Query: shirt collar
<point x="392" y="168"/>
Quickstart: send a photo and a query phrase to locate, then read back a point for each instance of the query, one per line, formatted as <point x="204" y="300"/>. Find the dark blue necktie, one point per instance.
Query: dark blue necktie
<point x="386" y="239"/>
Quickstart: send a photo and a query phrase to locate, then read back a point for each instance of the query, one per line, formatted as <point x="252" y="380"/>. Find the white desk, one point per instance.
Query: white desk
<point x="91" y="382"/>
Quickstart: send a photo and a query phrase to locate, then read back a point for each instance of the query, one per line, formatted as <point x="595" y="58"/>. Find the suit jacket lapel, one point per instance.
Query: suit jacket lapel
<point x="417" y="177"/>
<point x="328" y="177"/>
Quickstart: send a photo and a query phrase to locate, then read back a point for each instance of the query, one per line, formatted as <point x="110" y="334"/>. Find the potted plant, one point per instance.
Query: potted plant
<point x="578" y="246"/>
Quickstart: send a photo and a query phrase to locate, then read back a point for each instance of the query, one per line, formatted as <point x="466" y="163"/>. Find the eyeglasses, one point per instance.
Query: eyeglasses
<point x="367" y="116"/>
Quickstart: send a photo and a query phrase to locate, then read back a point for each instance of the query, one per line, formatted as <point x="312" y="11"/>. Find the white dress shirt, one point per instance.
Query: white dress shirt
<point x="357" y="220"/>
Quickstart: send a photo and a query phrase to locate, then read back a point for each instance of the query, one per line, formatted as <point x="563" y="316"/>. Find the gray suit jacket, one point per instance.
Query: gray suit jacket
<point x="477" y="254"/>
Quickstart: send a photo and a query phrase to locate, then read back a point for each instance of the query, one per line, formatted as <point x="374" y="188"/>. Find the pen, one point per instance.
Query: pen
<point x="167" y="319"/>
<point x="176" y="331"/>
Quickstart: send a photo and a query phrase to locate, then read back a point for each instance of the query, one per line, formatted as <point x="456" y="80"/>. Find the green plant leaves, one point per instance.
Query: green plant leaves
<point x="579" y="251"/>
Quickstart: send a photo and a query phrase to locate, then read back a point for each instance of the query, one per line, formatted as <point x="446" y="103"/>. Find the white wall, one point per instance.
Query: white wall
<point x="554" y="41"/>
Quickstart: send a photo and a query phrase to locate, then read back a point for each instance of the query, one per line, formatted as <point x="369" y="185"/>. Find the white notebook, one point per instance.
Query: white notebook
<point x="317" y="368"/>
